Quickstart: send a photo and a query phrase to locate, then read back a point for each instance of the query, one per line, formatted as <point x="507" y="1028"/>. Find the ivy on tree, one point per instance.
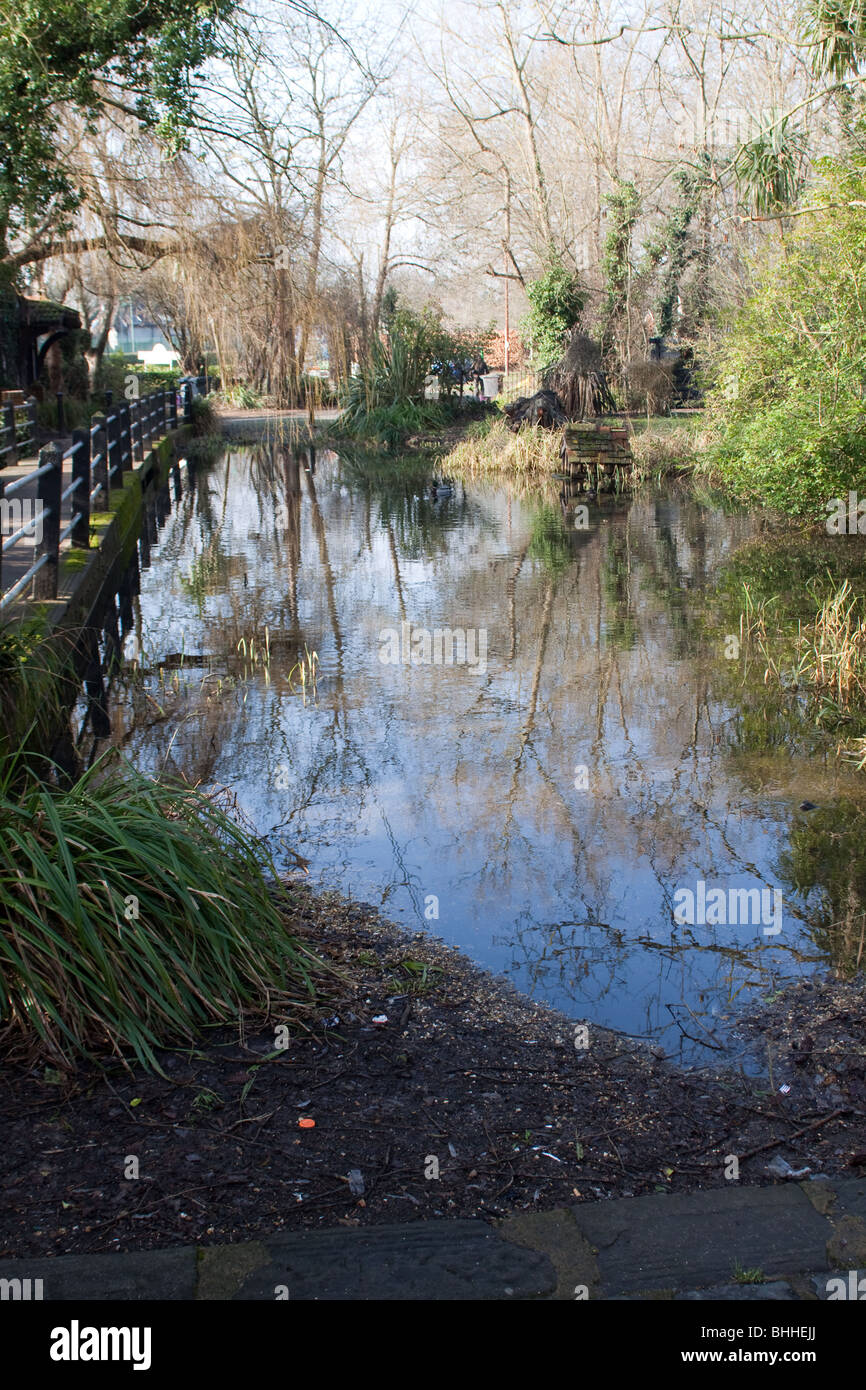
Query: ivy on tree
<point x="556" y="302"/>
<point x="623" y="206"/>
<point x="669" y="250"/>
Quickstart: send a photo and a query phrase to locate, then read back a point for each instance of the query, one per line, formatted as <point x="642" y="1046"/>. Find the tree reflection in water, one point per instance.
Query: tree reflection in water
<point x="401" y="781"/>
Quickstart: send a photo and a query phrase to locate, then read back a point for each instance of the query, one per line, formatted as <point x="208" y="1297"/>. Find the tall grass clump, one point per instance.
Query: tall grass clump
<point x="32" y="690"/>
<point x="818" y="665"/>
<point x="833" y="649"/>
<point x="204" y="417"/>
<point x="490" y="447"/>
<point x="132" y="914"/>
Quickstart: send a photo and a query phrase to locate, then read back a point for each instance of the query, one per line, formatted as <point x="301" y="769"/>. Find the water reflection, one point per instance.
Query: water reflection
<point x="541" y="812"/>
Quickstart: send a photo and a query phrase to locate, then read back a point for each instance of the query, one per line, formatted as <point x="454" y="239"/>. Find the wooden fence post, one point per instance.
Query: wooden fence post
<point x="80" y="533"/>
<point x="125" y="432"/>
<point x="135" y="430"/>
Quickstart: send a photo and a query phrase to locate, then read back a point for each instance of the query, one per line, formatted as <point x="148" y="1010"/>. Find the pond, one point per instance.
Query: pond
<point x="511" y="723"/>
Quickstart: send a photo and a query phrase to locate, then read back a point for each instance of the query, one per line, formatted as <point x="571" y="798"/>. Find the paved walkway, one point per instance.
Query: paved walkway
<point x="805" y="1241"/>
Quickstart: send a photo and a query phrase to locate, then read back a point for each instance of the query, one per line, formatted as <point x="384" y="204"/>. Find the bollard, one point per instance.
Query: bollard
<point x="49" y="487"/>
<point x="80" y="533"/>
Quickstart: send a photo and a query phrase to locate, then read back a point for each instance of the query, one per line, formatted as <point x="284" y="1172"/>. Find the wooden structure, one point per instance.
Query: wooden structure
<point x="595" y="457"/>
<point x="97" y="462"/>
<point x="29" y="328"/>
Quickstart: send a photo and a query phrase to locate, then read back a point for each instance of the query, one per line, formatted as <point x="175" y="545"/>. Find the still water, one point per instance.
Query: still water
<point x="539" y="804"/>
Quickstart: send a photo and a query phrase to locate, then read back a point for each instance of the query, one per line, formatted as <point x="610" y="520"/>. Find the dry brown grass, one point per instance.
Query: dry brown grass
<point x="494" y="449"/>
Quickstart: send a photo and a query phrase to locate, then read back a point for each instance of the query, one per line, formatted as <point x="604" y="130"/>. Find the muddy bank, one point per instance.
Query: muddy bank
<point x="421" y="1065"/>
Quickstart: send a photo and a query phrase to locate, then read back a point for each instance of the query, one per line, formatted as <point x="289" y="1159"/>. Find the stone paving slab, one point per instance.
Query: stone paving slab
<point x="682" y="1247"/>
<point x="420" y="1261"/>
<point x="691" y="1240"/>
<point x="126" y="1276"/>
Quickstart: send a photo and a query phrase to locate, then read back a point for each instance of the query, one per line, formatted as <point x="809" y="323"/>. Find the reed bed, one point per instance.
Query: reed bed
<point x="658" y="452"/>
<point x="823" y="661"/>
<point x="491" y="448"/>
<point x="833" y="648"/>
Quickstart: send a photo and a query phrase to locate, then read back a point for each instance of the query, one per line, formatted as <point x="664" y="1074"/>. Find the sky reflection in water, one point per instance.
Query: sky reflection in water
<point x="409" y="782"/>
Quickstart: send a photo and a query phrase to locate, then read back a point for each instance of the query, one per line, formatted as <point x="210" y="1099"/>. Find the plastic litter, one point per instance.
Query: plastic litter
<point x="780" y="1168"/>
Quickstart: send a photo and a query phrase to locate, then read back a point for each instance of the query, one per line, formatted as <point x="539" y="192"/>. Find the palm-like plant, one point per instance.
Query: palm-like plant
<point x="836" y="29"/>
<point x="767" y="167"/>
<point x="385" y="400"/>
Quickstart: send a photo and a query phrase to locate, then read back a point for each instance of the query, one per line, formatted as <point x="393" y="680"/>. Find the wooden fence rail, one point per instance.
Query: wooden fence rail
<point x="99" y="457"/>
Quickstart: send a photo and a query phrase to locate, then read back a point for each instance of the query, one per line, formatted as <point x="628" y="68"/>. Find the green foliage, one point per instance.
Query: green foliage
<point x="767" y="167"/>
<point x="787" y="403"/>
<point x="669" y="247"/>
<point x="836" y="29"/>
<point x="131" y="915"/>
<point x="30" y="700"/>
<point x="385" y="401"/>
<point x="58" y="53"/>
<point x="242" y="396"/>
<point x="390" y="300"/>
<point x="204" y="420"/>
<point x="623" y="206"/>
<point x="556" y="302"/>
<point x="388" y="426"/>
